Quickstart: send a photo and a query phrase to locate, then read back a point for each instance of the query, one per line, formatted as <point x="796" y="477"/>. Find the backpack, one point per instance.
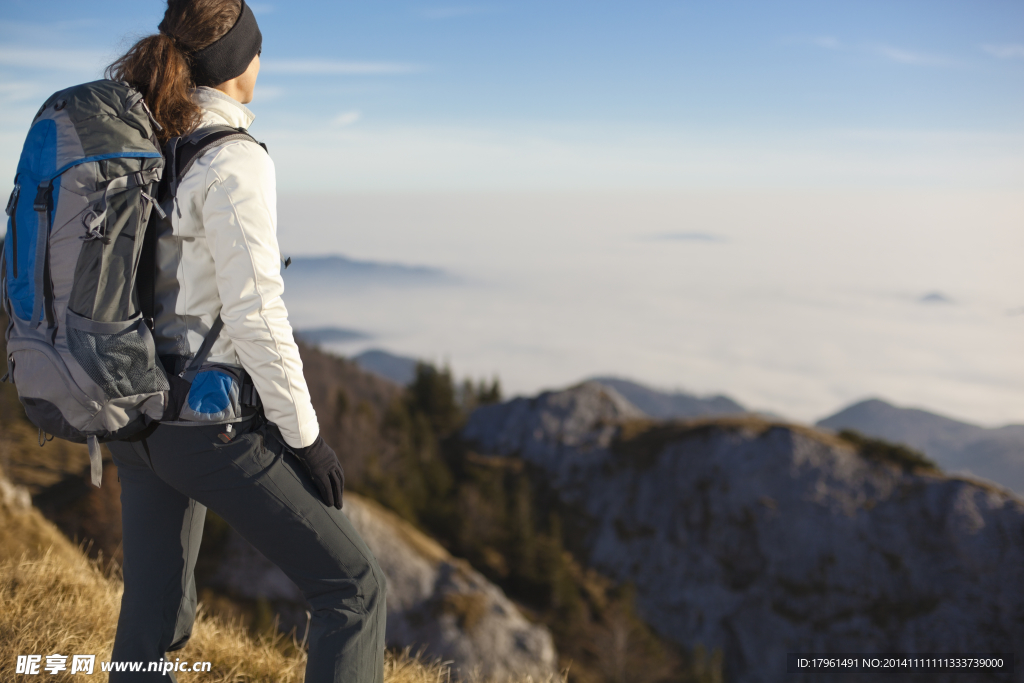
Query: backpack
<point x="76" y="272"/>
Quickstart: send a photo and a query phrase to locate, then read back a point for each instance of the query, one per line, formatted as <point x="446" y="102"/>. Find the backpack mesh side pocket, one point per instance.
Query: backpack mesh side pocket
<point x="118" y="356"/>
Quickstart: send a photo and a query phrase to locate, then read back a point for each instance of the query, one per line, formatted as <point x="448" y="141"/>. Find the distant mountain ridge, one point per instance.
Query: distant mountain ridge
<point x="657" y="404"/>
<point x="329" y="335"/>
<point x="663" y="405"/>
<point x="399" y="369"/>
<point x="353" y="271"/>
<point x="996" y="453"/>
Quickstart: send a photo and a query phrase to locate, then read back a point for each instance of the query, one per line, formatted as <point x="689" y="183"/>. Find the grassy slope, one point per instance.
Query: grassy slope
<point x="53" y="599"/>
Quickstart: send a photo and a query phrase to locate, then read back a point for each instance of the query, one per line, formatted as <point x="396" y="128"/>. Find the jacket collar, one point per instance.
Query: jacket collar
<point x="219" y="109"/>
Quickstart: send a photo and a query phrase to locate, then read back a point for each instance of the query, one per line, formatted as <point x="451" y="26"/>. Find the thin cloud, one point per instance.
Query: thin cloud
<point x="268" y="93"/>
<point x="347" y="118"/>
<point x="822" y="41"/>
<point x="935" y="298"/>
<point x="452" y="12"/>
<point x="20" y="91"/>
<point x="687" y="237"/>
<point x="327" y="67"/>
<point x="889" y="52"/>
<point x="827" y="42"/>
<point x="261" y="8"/>
<point x="903" y="56"/>
<point x="1007" y="51"/>
<point x="936" y="136"/>
<point x="45" y="30"/>
<point x="459" y="157"/>
<point x="51" y="59"/>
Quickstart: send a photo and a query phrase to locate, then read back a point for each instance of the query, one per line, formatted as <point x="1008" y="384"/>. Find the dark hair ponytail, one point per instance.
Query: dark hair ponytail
<point x="158" y="65"/>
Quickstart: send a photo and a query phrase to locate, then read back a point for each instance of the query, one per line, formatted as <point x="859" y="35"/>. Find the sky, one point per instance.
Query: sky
<point x="837" y="162"/>
<point x="576" y="94"/>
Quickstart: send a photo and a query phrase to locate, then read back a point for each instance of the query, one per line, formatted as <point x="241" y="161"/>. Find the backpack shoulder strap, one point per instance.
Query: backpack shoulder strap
<point x="196" y="365"/>
<point x="204" y="140"/>
<point x="180" y="154"/>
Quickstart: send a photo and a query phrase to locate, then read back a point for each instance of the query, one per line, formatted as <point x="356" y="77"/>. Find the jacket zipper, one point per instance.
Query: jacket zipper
<point x="12" y="211"/>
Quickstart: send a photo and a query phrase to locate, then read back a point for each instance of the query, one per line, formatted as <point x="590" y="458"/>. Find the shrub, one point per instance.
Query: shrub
<point x="878" y="450"/>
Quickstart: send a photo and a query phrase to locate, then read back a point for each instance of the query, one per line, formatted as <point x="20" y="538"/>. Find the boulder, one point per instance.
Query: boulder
<point x="435" y="602"/>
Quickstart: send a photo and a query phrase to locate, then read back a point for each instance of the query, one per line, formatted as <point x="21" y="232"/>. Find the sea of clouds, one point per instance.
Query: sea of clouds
<point x="794" y="302"/>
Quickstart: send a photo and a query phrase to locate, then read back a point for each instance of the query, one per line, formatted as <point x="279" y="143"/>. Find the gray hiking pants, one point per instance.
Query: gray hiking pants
<point x="170" y="477"/>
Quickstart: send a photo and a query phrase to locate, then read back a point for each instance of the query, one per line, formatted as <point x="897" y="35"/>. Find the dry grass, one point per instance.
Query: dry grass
<point x="24" y="532"/>
<point x="52" y="605"/>
<point x="56" y="604"/>
<point x="424" y="545"/>
<point x="468" y="608"/>
<point x="53" y="599"/>
<point x="22" y="458"/>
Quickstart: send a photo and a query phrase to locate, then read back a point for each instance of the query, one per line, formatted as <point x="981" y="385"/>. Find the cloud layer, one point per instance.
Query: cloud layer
<point x="1005" y="51"/>
<point x="313" y="67"/>
<point x="53" y="59"/>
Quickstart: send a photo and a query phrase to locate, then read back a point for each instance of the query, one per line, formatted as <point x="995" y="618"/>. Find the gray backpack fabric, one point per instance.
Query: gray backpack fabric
<point x="79" y="352"/>
<point x="80" y="349"/>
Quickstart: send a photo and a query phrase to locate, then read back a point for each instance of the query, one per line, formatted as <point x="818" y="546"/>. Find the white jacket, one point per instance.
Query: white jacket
<point x="223" y="257"/>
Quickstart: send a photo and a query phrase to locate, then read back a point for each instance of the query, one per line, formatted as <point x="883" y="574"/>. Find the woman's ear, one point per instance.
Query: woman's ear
<point x="242" y="87"/>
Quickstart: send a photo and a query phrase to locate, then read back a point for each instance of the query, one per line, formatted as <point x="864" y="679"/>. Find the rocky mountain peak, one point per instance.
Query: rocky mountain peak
<point x="556" y="428"/>
<point x="994" y="453"/>
<point x="762" y="538"/>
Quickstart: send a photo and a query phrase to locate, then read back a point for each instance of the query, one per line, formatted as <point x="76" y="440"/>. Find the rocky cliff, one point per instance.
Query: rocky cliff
<point x="762" y="538"/>
<point x="435" y="601"/>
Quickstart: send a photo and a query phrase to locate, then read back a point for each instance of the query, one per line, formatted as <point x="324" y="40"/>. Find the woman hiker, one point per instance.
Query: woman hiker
<point x="265" y="470"/>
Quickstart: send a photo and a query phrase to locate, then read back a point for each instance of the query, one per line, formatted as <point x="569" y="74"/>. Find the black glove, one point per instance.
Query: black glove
<point x="323" y="466"/>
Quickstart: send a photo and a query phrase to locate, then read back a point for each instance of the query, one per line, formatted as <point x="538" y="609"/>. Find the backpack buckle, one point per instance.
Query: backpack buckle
<point x="43" y="196"/>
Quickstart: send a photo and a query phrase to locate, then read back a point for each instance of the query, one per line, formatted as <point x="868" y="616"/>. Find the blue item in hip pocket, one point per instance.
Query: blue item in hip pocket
<point x="213" y="397"/>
